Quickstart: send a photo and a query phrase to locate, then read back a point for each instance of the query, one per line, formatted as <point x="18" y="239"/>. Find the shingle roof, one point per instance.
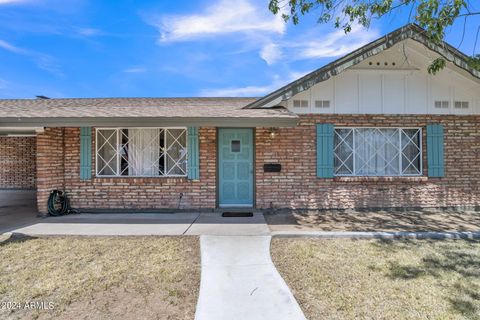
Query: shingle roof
<point x="46" y="111"/>
<point x="118" y="107"/>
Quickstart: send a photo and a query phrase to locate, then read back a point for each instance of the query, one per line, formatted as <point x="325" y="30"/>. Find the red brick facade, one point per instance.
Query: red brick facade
<point x="17" y="162"/>
<point x="125" y="193"/>
<point x="50" y="164"/>
<point x="296" y="186"/>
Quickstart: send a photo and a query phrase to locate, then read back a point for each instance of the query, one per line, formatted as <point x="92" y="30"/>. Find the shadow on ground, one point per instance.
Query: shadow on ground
<point x="352" y="220"/>
<point x="15" y="238"/>
<point x="456" y="267"/>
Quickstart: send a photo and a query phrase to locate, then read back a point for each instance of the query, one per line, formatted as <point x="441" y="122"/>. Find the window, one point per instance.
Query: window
<point x="141" y="152"/>
<point x="441" y="104"/>
<point x="300" y="103"/>
<point x="322" y="103"/>
<point x="461" y="104"/>
<point x="377" y="151"/>
<point x="235" y="145"/>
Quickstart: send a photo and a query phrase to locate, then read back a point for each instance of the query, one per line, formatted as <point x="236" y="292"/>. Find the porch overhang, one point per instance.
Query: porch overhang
<point x="34" y="122"/>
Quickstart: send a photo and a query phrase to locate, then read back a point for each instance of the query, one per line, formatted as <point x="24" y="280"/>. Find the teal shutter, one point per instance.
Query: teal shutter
<point x="435" y="152"/>
<point x="193" y="156"/>
<point x="325" y="150"/>
<point x="85" y="153"/>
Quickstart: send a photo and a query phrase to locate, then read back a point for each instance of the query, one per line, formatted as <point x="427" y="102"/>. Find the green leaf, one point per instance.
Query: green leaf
<point x="437" y="65"/>
<point x="435" y="16"/>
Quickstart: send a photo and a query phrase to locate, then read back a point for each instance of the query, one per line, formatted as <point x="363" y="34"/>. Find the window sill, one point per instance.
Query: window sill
<point x="139" y="179"/>
<point x="381" y="179"/>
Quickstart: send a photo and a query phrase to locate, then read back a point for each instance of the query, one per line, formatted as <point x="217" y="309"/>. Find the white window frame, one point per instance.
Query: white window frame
<point x="118" y="147"/>
<point x="400" y="174"/>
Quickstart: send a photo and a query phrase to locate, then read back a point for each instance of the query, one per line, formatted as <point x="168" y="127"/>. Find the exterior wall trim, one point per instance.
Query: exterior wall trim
<point x="237" y="122"/>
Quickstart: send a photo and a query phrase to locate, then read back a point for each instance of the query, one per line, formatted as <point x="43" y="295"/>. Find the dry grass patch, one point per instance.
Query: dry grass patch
<point x="375" y="279"/>
<point x="353" y="220"/>
<point x="101" y="277"/>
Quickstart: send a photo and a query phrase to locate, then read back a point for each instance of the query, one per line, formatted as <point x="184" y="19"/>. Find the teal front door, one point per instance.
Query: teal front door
<point x="235" y="167"/>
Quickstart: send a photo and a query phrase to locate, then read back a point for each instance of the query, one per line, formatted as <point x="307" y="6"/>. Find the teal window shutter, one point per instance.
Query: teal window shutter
<point x="193" y="155"/>
<point x="85" y="153"/>
<point x="435" y="150"/>
<point x="325" y="150"/>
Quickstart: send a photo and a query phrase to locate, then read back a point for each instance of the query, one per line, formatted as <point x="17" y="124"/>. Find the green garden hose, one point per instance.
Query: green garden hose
<point x="58" y="204"/>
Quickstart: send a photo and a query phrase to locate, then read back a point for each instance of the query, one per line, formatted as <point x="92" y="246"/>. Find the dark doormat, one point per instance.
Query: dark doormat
<point x="237" y="214"/>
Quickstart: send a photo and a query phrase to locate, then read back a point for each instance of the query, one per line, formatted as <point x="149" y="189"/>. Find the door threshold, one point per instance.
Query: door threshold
<point x="232" y="214"/>
<point x="236" y="210"/>
<point x="235" y="206"/>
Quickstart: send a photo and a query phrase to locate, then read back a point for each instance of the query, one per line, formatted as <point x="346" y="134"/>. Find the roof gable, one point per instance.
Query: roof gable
<point x="410" y="31"/>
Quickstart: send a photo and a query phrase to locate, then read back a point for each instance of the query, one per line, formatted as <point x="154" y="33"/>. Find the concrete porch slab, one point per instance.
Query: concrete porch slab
<point x="215" y="224"/>
<point x="133" y="224"/>
<point x="112" y="224"/>
<point x="17" y="209"/>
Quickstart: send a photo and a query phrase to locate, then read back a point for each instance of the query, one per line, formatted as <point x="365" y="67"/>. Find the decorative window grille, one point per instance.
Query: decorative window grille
<point x="378" y="151"/>
<point x="141" y="152"/>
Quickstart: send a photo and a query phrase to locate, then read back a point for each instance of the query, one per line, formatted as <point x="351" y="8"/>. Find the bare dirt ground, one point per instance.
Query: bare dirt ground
<point x="351" y="220"/>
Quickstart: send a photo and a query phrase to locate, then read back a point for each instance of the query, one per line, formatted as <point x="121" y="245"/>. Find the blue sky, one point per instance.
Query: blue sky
<point x="81" y="48"/>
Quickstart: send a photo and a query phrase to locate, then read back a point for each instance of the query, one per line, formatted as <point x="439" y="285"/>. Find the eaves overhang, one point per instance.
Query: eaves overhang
<point x="282" y="121"/>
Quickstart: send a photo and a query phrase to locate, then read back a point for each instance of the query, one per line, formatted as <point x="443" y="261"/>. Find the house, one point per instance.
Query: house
<point x="372" y="129"/>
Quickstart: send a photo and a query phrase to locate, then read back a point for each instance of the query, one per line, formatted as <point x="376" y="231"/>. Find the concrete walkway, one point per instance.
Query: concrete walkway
<point x="239" y="281"/>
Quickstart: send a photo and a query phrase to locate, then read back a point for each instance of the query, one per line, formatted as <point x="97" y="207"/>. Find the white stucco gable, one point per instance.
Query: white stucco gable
<point x="387" y="76"/>
<point x="395" y="81"/>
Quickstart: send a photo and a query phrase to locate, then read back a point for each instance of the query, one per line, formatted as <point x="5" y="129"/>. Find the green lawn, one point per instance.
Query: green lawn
<point x="101" y="277"/>
<point x="375" y="279"/>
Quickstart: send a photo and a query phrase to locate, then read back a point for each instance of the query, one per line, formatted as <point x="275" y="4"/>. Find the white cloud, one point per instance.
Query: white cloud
<point x="334" y="44"/>
<point x="271" y="53"/>
<point x="12" y="1"/>
<point x="223" y="17"/>
<point x="3" y="84"/>
<point x="88" y="32"/>
<point x="48" y="63"/>
<point x="10" y="47"/>
<point x="249" y="91"/>
<point x="253" y="91"/>
<point x="42" y="61"/>
<point x="135" y="70"/>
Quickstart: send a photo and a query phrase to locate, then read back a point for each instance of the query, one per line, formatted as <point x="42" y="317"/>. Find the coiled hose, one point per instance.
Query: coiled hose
<point x="58" y="204"/>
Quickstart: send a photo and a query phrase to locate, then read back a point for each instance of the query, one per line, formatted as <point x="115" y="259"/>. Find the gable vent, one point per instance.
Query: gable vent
<point x="322" y="103"/>
<point x="443" y="104"/>
<point x="300" y="103"/>
<point x="461" y="104"/>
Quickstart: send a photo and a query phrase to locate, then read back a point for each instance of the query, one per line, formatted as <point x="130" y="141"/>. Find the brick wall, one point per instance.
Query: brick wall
<point x="126" y="193"/>
<point x="297" y="185"/>
<point x="17" y="162"/>
<point x="50" y="165"/>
